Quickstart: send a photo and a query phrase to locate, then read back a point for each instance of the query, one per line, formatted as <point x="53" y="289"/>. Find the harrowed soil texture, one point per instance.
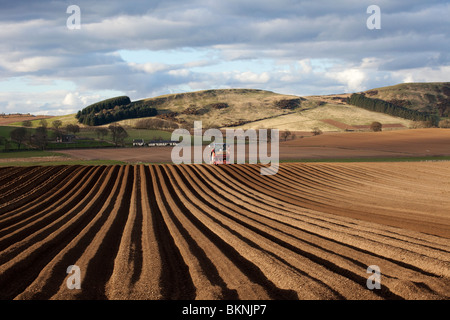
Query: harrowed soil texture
<point x="226" y="232"/>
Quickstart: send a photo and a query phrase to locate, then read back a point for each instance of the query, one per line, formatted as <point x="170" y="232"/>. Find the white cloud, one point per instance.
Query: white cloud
<point x="252" y="77"/>
<point x="305" y="66"/>
<point x="148" y="67"/>
<point x="278" y="46"/>
<point x="353" y="79"/>
<point x="427" y="74"/>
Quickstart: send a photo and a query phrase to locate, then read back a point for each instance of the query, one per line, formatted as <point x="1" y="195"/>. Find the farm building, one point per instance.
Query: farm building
<point x="138" y="143"/>
<point x="162" y="143"/>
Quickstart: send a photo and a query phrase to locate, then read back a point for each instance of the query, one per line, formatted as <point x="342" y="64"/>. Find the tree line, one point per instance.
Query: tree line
<point x="112" y="110"/>
<point x="38" y="137"/>
<point x="379" y="105"/>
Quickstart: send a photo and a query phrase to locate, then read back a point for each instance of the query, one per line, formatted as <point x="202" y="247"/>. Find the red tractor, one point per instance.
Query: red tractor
<point x="220" y="153"/>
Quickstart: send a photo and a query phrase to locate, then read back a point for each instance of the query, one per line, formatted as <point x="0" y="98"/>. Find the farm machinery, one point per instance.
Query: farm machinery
<point x="220" y="153"/>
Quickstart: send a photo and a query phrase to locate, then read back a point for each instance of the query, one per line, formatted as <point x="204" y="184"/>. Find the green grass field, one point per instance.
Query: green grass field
<point x="5" y="132"/>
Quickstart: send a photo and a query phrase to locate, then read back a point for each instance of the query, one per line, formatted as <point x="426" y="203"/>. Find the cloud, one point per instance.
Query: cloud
<point x="353" y="79"/>
<point x="290" y="46"/>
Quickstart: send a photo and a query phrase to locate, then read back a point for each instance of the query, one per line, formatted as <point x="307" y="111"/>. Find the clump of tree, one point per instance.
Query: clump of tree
<point x="43" y="123"/>
<point x="4" y="142"/>
<point x="316" y="131"/>
<point x="289" y="104"/>
<point x="286" y="134"/>
<point x="56" y="125"/>
<point x="218" y="105"/>
<point x="372" y="92"/>
<point x="40" y="137"/>
<point x="27" y="123"/>
<point x="19" y="135"/>
<point x="105" y="105"/>
<point x="376" y="126"/>
<point x="72" y="128"/>
<point x="112" y="110"/>
<point x="101" y="132"/>
<point x="379" y="105"/>
<point x="119" y="134"/>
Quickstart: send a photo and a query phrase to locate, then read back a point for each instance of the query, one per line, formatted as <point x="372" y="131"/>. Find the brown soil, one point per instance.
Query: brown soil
<point x="225" y="232"/>
<point x="398" y="143"/>
<point x="345" y="126"/>
<point x="8" y="119"/>
<point x="36" y="159"/>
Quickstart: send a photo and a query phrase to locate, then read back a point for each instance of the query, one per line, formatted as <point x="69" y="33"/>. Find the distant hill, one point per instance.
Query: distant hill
<point x="253" y="108"/>
<point x="216" y="108"/>
<point x="432" y="97"/>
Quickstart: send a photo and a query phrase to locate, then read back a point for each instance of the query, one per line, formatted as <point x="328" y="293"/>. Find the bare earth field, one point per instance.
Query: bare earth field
<point x="398" y="143"/>
<point x="226" y="232"/>
<point x="8" y="119"/>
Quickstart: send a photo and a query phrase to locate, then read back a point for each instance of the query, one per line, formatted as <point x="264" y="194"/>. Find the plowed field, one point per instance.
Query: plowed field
<point x="226" y="232"/>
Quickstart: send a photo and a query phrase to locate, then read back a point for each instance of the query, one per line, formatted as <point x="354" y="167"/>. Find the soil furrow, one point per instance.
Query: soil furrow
<point x="164" y="232"/>
<point x="18" y="273"/>
<point x="52" y="219"/>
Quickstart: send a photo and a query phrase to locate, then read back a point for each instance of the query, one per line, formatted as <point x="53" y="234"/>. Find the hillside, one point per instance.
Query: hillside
<point x="251" y="108"/>
<point x="220" y="108"/>
<point x="330" y="117"/>
<point x="433" y="97"/>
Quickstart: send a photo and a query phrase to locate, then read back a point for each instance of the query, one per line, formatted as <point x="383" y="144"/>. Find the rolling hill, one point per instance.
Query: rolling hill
<point x="433" y="97"/>
<point x="252" y="108"/>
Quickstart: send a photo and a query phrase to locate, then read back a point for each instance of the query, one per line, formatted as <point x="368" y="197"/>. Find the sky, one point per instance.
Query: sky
<point x="55" y="61"/>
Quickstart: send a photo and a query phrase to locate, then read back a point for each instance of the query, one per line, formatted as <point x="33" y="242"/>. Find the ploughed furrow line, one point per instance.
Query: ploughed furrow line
<point x="225" y="232"/>
<point x="248" y="199"/>
<point x="28" y="183"/>
<point x="384" y="198"/>
<point x="254" y="240"/>
<point x="128" y="261"/>
<point x="8" y="175"/>
<point x="210" y="214"/>
<point x="266" y="186"/>
<point x="155" y="267"/>
<point x="204" y="280"/>
<point x="18" y="178"/>
<point x="50" y="185"/>
<point x="97" y="258"/>
<point x="390" y="211"/>
<point x="51" y="282"/>
<point x="220" y="268"/>
<point x="19" y="236"/>
<point x="317" y="247"/>
<point x="377" y="202"/>
<point x="407" y="197"/>
<point x="31" y="210"/>
<point x="31" y="259"/>
<point x="411" y="186"/>
<point x="438" y="239"/>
